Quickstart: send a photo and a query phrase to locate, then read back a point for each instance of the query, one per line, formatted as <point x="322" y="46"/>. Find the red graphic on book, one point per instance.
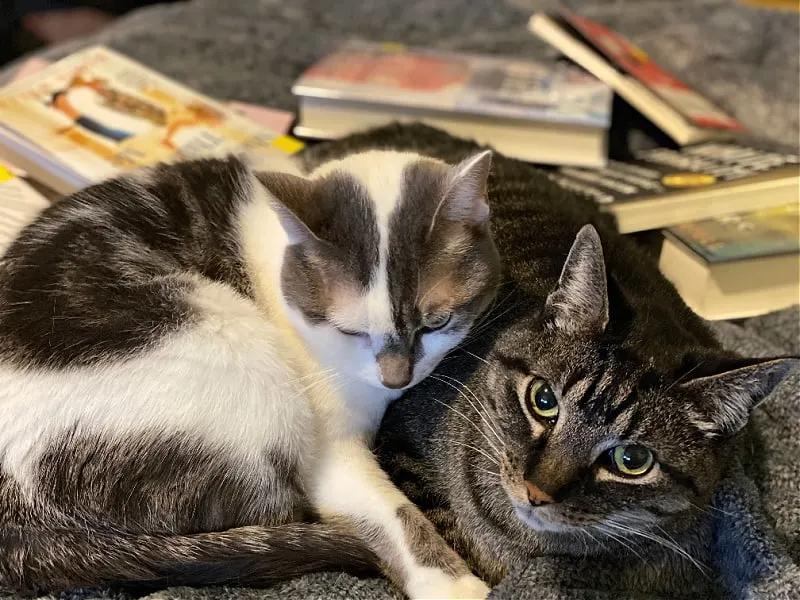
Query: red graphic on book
<point x="394" y="69"/>
<point x="636" y="63"/>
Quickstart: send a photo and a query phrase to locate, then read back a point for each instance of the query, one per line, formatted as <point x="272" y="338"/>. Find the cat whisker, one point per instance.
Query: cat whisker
<point x="432" y="288"/>
<point x="479" y="328"/>
<point x="470" y="421"/>
<point x="419" y="285"/>
<point x="619" y="539"/>
<point x="594" y="539"/>
<point x="649" y="535"/>
<point x="709" y="509"/>
<point x="487" y="471"/>
<point x="321" y="381"/>
<point x="473" y="355"/>
<point x="685" y="375"/>
<point x="484" y="414"/>
<point x="470" y="446"/>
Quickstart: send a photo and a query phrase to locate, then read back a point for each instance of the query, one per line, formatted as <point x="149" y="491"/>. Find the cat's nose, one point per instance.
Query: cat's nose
<point x="536" y="496"/>
<point x="395" y="369"/>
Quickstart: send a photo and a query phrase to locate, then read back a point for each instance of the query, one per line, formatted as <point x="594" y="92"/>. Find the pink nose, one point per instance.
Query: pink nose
<point x="536" y="496"/>
<point x="396" y="370"/>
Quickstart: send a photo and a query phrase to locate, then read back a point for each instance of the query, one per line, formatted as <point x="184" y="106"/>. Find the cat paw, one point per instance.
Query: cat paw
<point x="466" y="587"/>
<point x="469" y="586"/>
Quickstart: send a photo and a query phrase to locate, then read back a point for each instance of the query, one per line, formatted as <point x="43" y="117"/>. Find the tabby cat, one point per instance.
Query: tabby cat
<point x="194" y="359"/>
<point x="590" y="414"/>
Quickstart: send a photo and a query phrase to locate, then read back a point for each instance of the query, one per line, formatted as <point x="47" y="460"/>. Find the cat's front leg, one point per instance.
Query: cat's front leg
<point x="350" y="485"/>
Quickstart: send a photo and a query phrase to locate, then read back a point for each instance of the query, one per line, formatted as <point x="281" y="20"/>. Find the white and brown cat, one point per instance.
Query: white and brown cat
<point x="194" y="360"/>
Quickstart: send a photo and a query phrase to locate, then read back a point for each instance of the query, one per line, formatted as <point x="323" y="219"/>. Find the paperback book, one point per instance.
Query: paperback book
<point x="660" y="187"/>
<point x="736" y="266"/>
<point x="678" y="109"/>
<point x="553" y="113"/>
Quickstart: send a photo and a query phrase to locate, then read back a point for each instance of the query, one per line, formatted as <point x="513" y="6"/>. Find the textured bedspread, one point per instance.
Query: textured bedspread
<point x="745" y="59"/>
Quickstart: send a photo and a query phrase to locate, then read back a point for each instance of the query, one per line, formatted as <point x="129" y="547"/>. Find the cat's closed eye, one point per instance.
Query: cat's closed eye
<point x="351" y="332"/>
<point x="435" y="321"/>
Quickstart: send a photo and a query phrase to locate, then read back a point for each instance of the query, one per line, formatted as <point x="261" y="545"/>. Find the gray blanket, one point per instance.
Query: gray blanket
<point x="745" y="59"/>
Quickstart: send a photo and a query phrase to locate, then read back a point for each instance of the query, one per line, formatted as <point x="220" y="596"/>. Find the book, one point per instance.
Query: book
<point x="19" y="205"/>
<point x="680" y="111"/>
<point x="661" y="187"/>
<point x="279" y="121"/>
<point x="736" y="266"/>
<point x="96" y="113"/>
<point x="546" y="113"/>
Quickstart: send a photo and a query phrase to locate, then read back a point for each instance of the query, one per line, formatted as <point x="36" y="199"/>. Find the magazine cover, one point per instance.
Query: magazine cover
<point x="746" y="235"/>
<point x="99" y="112"/>
<point x="393" y="74"/>
<point x="635" y="62"/>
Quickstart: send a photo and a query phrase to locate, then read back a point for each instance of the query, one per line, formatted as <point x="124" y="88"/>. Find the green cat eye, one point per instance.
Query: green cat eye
<point x="631" y="459"/>
<point x="542" y="399"/>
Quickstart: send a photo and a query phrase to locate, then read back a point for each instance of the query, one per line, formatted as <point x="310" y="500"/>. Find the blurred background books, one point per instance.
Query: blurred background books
<point x="603" y="118"/>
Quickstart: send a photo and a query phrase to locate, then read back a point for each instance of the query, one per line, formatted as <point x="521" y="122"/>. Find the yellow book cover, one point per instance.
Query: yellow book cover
<point x="98" y="112"/>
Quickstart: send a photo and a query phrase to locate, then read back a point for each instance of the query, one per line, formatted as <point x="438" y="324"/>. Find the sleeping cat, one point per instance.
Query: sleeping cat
<point x="592" y="414"/>
<point x="194" y="359"/>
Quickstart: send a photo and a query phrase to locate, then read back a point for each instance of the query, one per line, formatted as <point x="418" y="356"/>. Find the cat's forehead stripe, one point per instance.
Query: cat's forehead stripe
<point x="422" y="188"/>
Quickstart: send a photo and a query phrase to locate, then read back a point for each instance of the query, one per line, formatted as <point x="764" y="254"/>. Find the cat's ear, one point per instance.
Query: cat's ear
<point x="739" y="385"/>
<point x="285" y="191"/>
<point x="579" y="301"/>
<point x="466" y="199"/>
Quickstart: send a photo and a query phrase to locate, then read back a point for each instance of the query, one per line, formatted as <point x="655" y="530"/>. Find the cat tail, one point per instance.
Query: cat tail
<point x="37" y="560"/>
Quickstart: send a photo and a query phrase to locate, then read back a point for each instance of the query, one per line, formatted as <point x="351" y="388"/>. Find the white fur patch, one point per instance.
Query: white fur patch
<point x="225" y="381"/>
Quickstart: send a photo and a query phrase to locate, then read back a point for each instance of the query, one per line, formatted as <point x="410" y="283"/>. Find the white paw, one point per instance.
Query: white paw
<point x="469" y="586"/>
<point x="466" y="587"/>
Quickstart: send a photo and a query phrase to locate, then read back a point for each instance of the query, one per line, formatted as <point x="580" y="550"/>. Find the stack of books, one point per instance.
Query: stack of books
<point x="707" y="175"/>
<point x="725" y="201"/>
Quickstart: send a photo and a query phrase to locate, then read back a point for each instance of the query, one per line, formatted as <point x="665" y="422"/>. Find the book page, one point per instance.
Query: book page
<point x="19" y="205"/>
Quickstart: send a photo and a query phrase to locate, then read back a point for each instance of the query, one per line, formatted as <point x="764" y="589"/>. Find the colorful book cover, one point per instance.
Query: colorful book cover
<point x="660" y="171"/>
<point x="741" y="236"/>
<point x="634" y="61"/>
<point x="99" y="112"/>
<point x="395" y="75"/>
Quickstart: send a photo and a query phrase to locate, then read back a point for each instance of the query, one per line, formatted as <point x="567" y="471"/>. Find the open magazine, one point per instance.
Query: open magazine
<point x="97" y="112"/>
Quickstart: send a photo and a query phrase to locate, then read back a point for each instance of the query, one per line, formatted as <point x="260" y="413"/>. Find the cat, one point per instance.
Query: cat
<point x="591" y="413"/>
<point x="194" y="359"/>
<point x="578" y="433"/>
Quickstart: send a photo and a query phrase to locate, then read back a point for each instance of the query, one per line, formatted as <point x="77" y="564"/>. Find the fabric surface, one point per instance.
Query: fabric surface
<point x="745" y="59"/>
